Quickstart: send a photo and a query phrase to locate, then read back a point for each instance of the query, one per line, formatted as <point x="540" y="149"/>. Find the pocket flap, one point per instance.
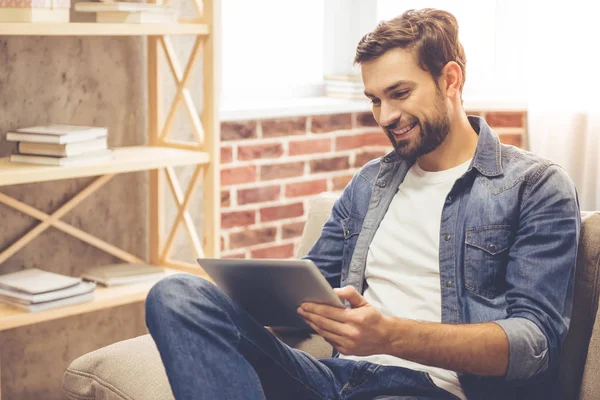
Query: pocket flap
<point x="493" y="240"/>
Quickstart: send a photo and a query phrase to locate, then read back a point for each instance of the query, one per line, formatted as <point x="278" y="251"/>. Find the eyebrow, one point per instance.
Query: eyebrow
<point x="392" y="87"/>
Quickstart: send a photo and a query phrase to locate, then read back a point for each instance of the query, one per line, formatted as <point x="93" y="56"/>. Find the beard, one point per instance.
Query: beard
<point x="432" y="132"/>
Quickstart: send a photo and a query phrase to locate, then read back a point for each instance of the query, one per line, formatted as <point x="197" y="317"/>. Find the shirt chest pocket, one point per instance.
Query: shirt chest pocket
<point x="486" y="256"/>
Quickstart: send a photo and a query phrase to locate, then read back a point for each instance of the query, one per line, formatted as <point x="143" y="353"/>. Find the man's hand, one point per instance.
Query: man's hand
<point x="360" y="330"/>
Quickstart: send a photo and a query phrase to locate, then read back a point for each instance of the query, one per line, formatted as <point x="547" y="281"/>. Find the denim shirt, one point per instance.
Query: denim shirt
<point x="508" y="246"/>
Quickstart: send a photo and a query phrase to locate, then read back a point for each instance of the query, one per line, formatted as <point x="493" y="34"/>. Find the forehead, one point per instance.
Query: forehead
<point x="392" y="66"/>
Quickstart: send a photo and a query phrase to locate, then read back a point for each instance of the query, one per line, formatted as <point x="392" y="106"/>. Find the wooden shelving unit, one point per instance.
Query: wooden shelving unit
<point x="94" y="29"/>
<point x="159" y="157"/>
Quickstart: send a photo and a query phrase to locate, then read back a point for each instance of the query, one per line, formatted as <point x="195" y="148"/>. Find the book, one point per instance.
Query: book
<point x="123" y="274"/>
<point x="27" y="14"/>
<point x="61" y="130"/>
<point x="62" y="150"/>
<point x="57" y="134"/>
<point x="36" y="307"/>
<point x="124" y="6"/>
<point x="36" y="281"/>
<point x="138" y="17"/>
<point x="27" y="298"/>
<point x="80" y="159"/>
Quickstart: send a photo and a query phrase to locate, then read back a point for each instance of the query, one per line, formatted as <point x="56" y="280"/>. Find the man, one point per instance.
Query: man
<point x="456" y="254"/>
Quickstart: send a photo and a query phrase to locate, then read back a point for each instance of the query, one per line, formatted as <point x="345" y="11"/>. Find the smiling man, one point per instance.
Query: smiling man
<point x="455" y="254"/>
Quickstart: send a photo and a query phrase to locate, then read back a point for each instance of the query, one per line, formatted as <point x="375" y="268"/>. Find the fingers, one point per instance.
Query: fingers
<point x="334" y="313"/>
<point x="350" y="294"/>
<point x="324" y="322"/>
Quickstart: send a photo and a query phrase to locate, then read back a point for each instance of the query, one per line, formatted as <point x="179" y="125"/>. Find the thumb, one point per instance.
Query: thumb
<point x="350" y="294"/>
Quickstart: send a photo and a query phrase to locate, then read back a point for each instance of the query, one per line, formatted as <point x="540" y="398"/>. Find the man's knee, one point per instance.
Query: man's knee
<point x="176" y="291"/>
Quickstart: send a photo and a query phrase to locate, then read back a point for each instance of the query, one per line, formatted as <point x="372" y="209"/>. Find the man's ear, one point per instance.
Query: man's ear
<point x="452" y="79"/>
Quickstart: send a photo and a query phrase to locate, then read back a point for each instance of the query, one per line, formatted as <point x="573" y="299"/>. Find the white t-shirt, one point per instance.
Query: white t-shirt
<point x="403" y="269"/>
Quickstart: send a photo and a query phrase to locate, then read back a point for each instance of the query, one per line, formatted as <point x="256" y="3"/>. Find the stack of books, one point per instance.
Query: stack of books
<point x="37" y="290"/>
<point x="60" y="145"/>
<point x="344" y="86"/>
<point x="123" y="274"/>
<point x="127" y="12"/>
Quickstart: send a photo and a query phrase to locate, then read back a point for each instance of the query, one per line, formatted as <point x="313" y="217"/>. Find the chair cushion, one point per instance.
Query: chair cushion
<point x="127" y="370"/>
<point x="319" y="210"/>
<point x="576" y="355"/>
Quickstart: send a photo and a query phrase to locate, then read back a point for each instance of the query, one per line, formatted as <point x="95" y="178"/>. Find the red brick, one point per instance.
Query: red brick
<point x="340" y="182"/>
<point x="476" y="113"/>
<point x="259" y="151"/>
<point x="282" y="251"/>
<point x="309" y="146"/>
<point x="329" y="164"/>
<point x="237" y="218"/>
<point x="292" y="230"/>
<point x="284" y="127"/>
<point x="347" y="142"/>
<point x="376" y="138"/>
<point x="305" y="188"/>
<point x="222" y="243"/>
<point x="238" y="130"/>
<point x="258" y="195"/>
<point x="368" y="155"/>
<point x="232" y="176"/>
<point x="281" y="212"/>
<point x="513" y="139"/>
<point x="226" y="155"/>
<point x="330" y="123"/>
<point x="225" y="198"/>
<point x="279" y="171"/>
<point x="366" y="119"/>
<point x="241" y="254"/>
<point x="505" y="119"/>
<point x="252" y="237"/>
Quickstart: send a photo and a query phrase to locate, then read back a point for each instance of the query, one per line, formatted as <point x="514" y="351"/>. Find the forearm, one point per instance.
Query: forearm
<point x="480" y="349"/>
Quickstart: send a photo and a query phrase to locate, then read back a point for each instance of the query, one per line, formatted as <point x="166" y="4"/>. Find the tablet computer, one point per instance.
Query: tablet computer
<point x="271" y="290"/>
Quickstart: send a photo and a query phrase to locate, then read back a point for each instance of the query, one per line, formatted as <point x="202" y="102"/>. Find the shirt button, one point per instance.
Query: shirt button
<point x="448" y="283"/>
<point x="492" y="248"/>
<point x="450" y="198"/>
<point x="382" y="184"/>
<point x="447" y="237"/>
<point x="385" y="159"/>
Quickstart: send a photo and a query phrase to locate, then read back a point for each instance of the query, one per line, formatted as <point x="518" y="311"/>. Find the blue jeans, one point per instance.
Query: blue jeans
<point x="212" y="349"/>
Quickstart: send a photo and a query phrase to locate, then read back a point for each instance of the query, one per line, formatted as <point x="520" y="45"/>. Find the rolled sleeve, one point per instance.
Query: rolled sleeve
<point x="528" y="348"/>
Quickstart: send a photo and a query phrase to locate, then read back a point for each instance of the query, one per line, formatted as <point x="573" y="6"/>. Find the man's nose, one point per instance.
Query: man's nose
<point x="388" y="114"/>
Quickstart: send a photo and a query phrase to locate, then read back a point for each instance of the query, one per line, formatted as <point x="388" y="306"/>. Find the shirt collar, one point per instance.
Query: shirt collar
<point x="488" y="155"/>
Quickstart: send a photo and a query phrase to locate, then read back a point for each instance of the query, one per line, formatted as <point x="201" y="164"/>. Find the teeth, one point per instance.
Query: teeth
<point x="403" y="131"/>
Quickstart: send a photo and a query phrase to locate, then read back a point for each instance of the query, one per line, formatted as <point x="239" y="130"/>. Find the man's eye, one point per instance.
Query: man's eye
<point x="375" y="101"/>
<point x="400" y="95"/>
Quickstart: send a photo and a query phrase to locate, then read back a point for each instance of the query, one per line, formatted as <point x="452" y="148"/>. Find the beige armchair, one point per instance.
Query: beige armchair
<point x="132" y="369"/>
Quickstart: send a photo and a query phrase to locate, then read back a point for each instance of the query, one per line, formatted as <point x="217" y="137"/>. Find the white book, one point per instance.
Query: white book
<point x="62" y="150"/>
<point x="34" y="14"/>
<point x="81" y="159"/>
<point x="82" y="298"/>
<point x="139" y="17"/>
<point x="26" y="298"/>
<point x="36" y="281"/>
<point x="123" y="274"/>
<point x="61" y="130"/>
<point x="86" y="6"/>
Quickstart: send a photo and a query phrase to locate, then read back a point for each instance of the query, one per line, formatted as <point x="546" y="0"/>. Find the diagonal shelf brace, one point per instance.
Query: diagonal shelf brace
<point x="182" y="213"/>
<point x="183" y="93"/>
<point x="53" y="220"/>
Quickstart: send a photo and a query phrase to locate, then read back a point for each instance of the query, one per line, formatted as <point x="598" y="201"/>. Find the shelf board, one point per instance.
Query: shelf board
<point x="104" y="297"/>
<point x="126" y="159"/>
<point x="99" y="29"/>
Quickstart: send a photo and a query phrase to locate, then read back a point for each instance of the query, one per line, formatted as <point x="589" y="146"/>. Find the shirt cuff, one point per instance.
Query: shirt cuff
<point x="528" y="348"/>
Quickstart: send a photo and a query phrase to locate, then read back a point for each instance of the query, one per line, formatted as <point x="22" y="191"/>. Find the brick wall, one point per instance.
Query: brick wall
<point x="272" y="167"/>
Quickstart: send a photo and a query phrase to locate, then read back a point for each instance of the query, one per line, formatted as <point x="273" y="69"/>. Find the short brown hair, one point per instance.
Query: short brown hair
<point x="431" y="34"/>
